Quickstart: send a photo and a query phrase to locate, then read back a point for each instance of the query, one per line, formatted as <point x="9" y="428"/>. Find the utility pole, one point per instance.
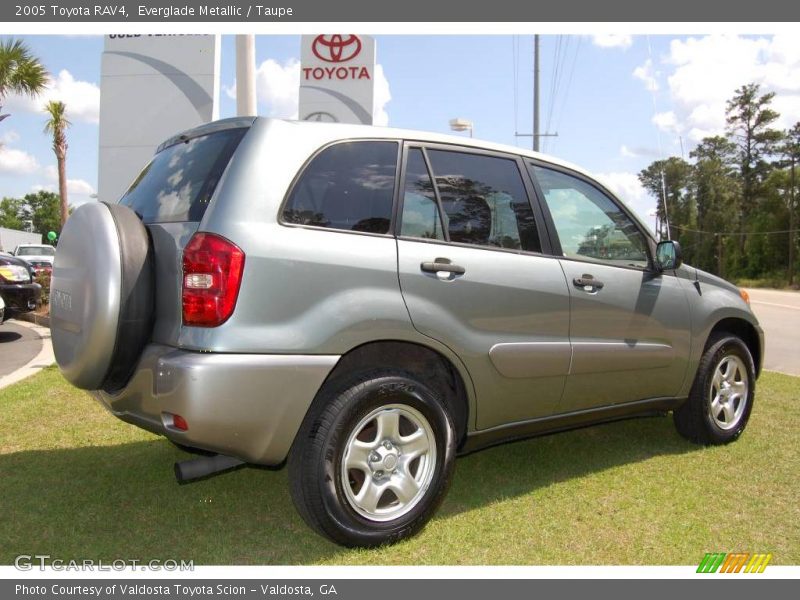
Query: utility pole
<point x="536" y="93"/>
<point x="536" y="130"/>
<point x="791" y="226"/>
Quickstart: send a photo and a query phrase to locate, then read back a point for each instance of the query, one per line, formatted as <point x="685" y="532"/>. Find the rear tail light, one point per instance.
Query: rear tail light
<point x="212" y="275"/>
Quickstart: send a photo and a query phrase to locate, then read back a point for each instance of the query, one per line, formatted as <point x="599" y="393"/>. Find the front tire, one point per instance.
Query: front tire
<point x="373" y="459"/>
<point x="721" y="398"/>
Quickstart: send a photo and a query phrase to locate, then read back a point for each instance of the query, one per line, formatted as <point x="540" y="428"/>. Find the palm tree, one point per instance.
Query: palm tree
<point x="57" y="124"/>
<point x="20" y="71"/>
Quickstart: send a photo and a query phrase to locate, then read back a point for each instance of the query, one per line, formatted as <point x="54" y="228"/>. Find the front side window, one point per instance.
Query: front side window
<point x="484" y="200"/>
<point x="347" y="186"/>
<point x="589" y="224"/>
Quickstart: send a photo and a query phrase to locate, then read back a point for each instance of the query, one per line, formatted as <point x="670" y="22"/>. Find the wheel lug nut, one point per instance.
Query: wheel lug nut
<point x="378" y="474"/>
<point x="387" y="444"/>
<point x="375" y="457"/>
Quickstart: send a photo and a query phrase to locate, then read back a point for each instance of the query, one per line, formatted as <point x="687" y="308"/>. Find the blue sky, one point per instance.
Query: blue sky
<point x="620" y="103"/>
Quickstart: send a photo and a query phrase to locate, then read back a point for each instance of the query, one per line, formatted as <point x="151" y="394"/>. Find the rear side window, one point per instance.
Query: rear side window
<point x="420" y="212"/>
<point x="484" y="200"/>
<point x="178" y="183"/>
<point x="347" y="186"/>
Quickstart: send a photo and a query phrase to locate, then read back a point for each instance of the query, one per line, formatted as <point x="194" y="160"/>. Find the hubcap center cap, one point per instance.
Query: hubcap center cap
<point x="384" y="458"/>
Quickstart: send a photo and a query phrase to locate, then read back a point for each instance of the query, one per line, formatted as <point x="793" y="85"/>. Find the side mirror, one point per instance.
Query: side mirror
<point x="668" y="255"/>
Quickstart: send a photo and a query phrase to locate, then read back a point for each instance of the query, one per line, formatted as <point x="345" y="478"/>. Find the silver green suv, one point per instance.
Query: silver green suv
<point x="365" y="304"/>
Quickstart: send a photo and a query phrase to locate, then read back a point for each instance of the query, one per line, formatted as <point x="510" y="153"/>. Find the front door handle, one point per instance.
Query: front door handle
<point x="588" y="283"/>
<point x="442" y="265"/>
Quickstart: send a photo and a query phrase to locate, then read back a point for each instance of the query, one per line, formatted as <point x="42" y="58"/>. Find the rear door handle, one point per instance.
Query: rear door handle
<point x="588" y="283"/>
<point x="442" y="264"/>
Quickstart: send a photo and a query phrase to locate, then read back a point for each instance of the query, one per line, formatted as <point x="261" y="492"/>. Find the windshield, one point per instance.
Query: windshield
<point x="36" y="251"/>
<point x="178" y="183"/>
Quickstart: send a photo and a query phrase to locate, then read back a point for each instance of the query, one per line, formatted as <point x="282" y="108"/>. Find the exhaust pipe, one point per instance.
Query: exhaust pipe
<point x="188" y="470"/>
<point x="31" y="304"/>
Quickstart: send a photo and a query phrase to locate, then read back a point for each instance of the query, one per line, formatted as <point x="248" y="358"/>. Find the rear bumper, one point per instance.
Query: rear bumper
<point x="245" y="405"/>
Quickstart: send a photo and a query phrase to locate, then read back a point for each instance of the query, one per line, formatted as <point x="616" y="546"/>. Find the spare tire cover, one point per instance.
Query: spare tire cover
<point x="101" y="296"/>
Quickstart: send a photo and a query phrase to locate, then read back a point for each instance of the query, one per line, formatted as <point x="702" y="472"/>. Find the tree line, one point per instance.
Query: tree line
<point x="733" y="208"/>
<point x="40" y="212"/>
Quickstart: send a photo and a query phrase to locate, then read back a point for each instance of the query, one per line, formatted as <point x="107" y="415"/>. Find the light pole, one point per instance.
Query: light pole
<point x="462" y="125"/>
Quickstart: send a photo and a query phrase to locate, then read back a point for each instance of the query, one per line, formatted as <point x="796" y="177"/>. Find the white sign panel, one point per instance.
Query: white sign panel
<point x="151" y="87"/>
<point x="337" y="78"/>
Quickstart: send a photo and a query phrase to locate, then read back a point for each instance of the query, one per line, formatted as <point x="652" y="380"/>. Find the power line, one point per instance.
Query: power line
<point x="732" y="233"/>
<point x="515" y="66"/>
<point x="560" y="114"/>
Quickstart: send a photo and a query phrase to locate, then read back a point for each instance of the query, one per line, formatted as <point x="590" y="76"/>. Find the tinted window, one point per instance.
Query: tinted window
<point x="420" y="211"/>
<point x="484" y="200"/>
<point x="589" y="224"/>
<point x="178" y="183"/>
<point x="347" y="186"/>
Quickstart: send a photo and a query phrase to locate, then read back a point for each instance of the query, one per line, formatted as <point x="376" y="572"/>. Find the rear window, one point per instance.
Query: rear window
<point x="347" y="186"/>
<point x="178" y="183"/>
<point x="36" y="251"/>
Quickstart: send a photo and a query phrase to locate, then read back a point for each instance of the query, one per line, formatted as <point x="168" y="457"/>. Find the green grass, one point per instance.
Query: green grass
<point x="77" y="483"/>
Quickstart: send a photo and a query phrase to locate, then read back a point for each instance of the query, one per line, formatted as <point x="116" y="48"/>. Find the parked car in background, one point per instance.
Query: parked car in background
<point x="39" y="266"/>
<point x="20" y="293"/>
<point x="365" y="303"/>
<point x="2" y="310"/>
<point x="39" y="254"/>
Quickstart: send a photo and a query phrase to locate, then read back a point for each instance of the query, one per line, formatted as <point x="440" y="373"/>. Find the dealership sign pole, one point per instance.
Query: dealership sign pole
<point x="337" y="78"/>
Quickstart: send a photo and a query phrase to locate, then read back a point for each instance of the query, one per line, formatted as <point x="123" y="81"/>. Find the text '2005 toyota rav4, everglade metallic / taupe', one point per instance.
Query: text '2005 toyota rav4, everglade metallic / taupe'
<point x="367" y="303"/>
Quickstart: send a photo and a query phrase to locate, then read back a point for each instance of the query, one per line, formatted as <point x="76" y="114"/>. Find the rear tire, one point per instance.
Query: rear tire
<point x="721" y="397"/>
<point x="373" y="459"/>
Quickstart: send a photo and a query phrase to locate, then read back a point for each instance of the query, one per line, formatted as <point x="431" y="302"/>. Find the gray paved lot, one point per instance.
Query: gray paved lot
<point x="779" y="315"/>
<point x="18" y="346"/>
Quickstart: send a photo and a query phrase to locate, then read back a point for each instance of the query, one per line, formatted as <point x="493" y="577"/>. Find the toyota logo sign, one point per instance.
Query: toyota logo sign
<point x="336" y="48"/>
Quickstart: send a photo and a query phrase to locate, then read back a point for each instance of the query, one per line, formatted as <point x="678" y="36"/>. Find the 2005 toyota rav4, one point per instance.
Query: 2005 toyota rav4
<point x="368" y="303"/>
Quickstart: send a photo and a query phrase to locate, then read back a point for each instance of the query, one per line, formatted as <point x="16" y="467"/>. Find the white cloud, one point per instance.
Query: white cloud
<point x="17" y="162"/>
<point x="705" y="72"/>
<point x="82" y="98"/>
<point x="75" y="187"/>
<point x="278" y="88"/>
<point x="647" y="75"/>
<point x="382" y="97"/>
<point x="8" y="137"/>
<point x="611" y="40"/>
<point x="627" y="152"/>
<point x="628" y="187"/>
<point x="666" y="121"/>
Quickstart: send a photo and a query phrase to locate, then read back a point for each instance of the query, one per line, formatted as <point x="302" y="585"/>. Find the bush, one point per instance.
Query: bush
<point x="43" y="279"/>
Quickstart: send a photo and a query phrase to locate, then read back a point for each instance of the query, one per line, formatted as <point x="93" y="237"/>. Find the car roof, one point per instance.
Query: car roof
<point x="347" y="130"/>
<point x="332" y="132"/>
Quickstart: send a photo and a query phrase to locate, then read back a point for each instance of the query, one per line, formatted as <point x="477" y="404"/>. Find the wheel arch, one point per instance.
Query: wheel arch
<point x="434" y="368"/>
<point x="745" y="331"/>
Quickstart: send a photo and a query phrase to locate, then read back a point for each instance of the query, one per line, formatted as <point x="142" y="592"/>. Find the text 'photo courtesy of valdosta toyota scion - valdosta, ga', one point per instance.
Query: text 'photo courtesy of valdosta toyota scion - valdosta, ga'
<point x="180" y="590"/>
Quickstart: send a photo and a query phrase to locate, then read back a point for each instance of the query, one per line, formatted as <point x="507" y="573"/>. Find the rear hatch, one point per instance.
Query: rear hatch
<point x="171" y="195"/>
